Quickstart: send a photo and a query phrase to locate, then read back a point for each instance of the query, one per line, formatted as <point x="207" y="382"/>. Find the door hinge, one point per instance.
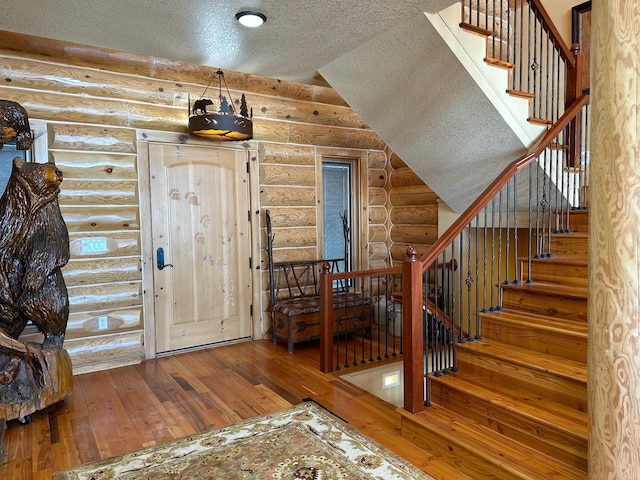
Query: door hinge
<point x="249" y="215"/>
<point x="250" y="263"/>
<point x="247" y="167"/>
<point x="251" y="310"/>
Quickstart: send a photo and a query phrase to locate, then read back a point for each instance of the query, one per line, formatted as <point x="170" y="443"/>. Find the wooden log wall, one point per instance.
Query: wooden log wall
<point x="95" y="103"/>
<point x="413" y="212"/>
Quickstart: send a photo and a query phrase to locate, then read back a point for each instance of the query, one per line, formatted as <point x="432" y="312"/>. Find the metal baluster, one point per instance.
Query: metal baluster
<point x="498" y="304"/>
<point x="508" y="245"/>
<point x="460" y="283"/>
<point x="469" y="282"/>
<point x="530" y="220"/>
<point x="484" y="308"/>
<point x="493" y="252"/>
<point x="477" y="232"/>
<point x="515" y="229"/>
<point x="529" y="89"/>
<point x="493" y="30"/>
<point x="433" y="321"/>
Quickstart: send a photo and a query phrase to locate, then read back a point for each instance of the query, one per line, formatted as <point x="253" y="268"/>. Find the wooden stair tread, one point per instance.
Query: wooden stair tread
<point x="569" y="420"/>
<point x="560" y="260"/>
<point x="559" y="366"/>
<point x="541" y="321"/>
<point x="553" y="289"/>
<point x="518" y="459"/>
<point x="570" y="234"/>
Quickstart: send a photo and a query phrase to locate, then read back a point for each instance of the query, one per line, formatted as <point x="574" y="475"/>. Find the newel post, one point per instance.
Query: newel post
<point x="412" y="327"/>
<point x="326" y="319"/>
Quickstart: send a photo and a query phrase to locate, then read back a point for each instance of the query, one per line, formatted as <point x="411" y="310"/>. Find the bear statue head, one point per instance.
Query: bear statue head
<point x="42" y="179"/>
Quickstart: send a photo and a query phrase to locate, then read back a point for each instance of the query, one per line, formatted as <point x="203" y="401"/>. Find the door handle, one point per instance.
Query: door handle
<point x="160" y="259"/>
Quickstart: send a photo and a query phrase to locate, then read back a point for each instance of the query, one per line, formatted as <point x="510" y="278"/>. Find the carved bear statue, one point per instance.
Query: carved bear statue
<point x="34" y="245"/>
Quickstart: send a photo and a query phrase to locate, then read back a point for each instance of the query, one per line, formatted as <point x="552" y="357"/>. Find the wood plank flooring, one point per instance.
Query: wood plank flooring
<point x="125" y="409"/>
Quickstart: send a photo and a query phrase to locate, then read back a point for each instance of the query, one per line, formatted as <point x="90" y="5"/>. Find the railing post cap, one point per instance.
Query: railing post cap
<point x="412" y="254"/>
<point x="326" y="267"/>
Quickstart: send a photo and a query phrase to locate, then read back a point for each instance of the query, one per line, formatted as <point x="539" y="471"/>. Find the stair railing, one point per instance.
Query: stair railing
<point x="522" y="37"/>
<point x="492" y="243"/>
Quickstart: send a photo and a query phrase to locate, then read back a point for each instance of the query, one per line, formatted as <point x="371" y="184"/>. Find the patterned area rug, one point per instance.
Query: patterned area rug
<point x="301" y="443"/>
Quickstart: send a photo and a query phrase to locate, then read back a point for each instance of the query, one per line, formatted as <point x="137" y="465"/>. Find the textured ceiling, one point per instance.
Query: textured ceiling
<point x="440" y="122"/>
<point x="299" y="37"/>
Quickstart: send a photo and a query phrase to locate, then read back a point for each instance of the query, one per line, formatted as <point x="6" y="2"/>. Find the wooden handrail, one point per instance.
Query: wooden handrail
<point x="492" y="190"/>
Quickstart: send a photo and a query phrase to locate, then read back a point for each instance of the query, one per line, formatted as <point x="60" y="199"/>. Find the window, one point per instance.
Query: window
<point x="339" y="196"/>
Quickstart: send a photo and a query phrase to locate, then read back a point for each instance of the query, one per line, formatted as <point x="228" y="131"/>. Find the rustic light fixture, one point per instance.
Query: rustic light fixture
<point x="225" y="124"/>
<point x="250" y="18"/>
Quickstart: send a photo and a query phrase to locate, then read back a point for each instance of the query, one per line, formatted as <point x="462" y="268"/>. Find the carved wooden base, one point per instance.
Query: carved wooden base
<point x="34" y="381"/>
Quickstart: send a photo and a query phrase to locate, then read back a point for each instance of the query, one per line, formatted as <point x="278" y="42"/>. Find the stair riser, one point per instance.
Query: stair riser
<point x="579" y="221"/>
<point x="566" y="345"/>
<point x="545" y="438"/>
<point x="549" y="272"/>
<point x="454" y="452"/>
<point x="570" y="246"/>
<point x="541" y="303"/>
<point x="565" y="391"/>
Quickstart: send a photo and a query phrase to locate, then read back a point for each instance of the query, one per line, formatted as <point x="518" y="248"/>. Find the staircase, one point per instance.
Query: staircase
<point x="517" y="406"/>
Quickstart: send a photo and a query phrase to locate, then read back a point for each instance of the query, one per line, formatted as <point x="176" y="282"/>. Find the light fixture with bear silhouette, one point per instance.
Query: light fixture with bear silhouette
<point x="232" y="121"/>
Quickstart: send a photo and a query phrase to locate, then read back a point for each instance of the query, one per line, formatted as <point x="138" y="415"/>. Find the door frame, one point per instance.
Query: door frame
<point x="144" y="138"/>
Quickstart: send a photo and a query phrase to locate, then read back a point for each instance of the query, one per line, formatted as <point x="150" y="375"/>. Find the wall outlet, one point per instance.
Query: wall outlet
<point x="103" y="323"/>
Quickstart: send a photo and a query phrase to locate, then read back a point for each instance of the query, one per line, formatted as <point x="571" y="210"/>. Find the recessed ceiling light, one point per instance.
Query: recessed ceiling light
<point x="251" y="19"/>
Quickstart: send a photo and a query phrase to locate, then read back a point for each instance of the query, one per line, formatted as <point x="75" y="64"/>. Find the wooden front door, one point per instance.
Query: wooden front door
<point x="200" y="228"/>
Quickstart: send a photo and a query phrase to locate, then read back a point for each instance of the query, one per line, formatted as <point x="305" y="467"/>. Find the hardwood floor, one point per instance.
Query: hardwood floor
<point x="125" y="409"/>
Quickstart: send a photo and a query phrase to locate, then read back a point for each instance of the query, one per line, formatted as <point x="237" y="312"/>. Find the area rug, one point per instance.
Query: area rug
<point x="304" y="442"/>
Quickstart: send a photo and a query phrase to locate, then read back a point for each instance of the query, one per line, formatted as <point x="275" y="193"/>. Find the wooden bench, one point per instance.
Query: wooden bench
<point x="295" y="300"/>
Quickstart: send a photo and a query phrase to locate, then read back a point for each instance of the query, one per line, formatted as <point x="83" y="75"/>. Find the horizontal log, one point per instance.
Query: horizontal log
<point x="414" y="234"/>
<point x="377" y="196"/>
<point x="292" y="217"/>
<point x="378" y="233"/>
<point x="396" y="162"/>
<point x="377" y="160"/>
<point x="286" y="154"/>
<point x="44" y="75"/>
<point x="414" y="195"/>
<point x="377" y="215"/>
<point x="115" y="244"/>
<point x="111" y="364"/>
<point x="104" y="323"/>
<point x="376" y="178"/>
<point x="274" y="174"/>
<point x="104" y="270"/>
<point x="89" y="137"/>
<point x="404" y="177"/>
<point x="98" y="219"/>
<point x="293" y="237"/>
<point x="414" y="215"/>
<point x="41" y="48"/>
<point x="378" y="252"/>
<point x="292" y="196"/>
<point x="330" y="136"/>
<point x="98" y="192"/>
<point x="104" y="297"/>
<point x="104" y="349"/>
<point x="95" y="165"/>
<point x="294" y="254"/>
